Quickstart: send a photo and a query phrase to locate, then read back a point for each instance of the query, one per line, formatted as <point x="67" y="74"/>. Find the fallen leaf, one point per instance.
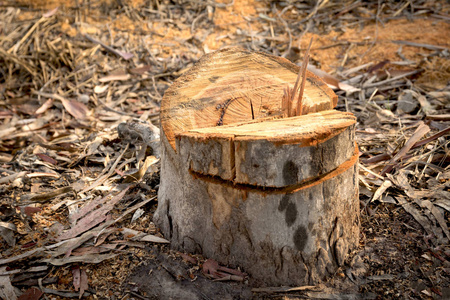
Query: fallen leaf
<point x="330" y="80"/>
<point x="47" y="158"/>
<point x="421" y="130"/>
<point x="379" y="192"/>
<point x="100" y="89"/>
<point x="76" y="277"/>
<point x="124" y="55"/>
<point x="77" y="109"/>
<point x="104" y="235"/>
<point x="30" y="210"/>
<point x="7" y="233"/>
<point x="64" y="294"/>
<point x="44" y="107"/>
<point x="117" y="76"/>
<point x="50" y="12"/>
<point x="188" y="258"/>
<point x="6" y="288"/>
<point x="31" y="294"/>
<point x="285" y="289"/>
<point x="136" y="235"/>
<point x="67" y="246"/>
<point x="93" y="250"/>
<point x="88" y="259"/>
<point x="92" y="219"/>
<point x="350" y="89"/>
<point x="46" y="196"/>
<point x="212" y="269"/>
<point x="149" y="160"/>
<point x="377" y="66"/>
<point x="137" y="214"/>
<point x="420" y="218"/>
<point x="441" y="96"/>
<point x="140" y="70"/>
<point x="83" y="282"/>
<point x="153" y="239"/>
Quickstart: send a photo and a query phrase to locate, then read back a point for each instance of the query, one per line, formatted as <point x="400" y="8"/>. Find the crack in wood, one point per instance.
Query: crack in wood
<point x="223" y="107"/>
<point x="292" y="188"/>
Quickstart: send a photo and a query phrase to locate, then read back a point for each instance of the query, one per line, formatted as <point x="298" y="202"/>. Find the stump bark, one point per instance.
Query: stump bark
<point x="240" y="184"/>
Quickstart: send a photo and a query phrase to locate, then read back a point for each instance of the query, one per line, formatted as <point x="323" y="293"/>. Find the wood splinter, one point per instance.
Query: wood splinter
<point x="289" y="95"/>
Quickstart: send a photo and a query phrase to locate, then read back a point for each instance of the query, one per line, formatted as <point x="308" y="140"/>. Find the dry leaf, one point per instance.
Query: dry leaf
<point x="188" y="258"/>
<point x="141" y="70"/>
<point x="47" y="158"/>
<point x="50" y="13"/>
<point x="88" y="222"/>
<point x="83" y="282"/>
<point x="417" y="135"/>
<point x="116" y="76"/>
<point x="417" y="215"/>
<point x="348" y="88"/>
<point x="285" y="289"/>
<point x="136" y="235"/>
<point x="77" y="109"/>
<point x="212" y="269"/>
<point x="7" y="233"/>
<point x="93" y="250"/>
<point x="44" y="107"/>
<point x="137" y="214"/>
<point x="153" y="239"/>
<point x="379" y="192"/>
<point x="6" y="288"/>
<point x="47" y="196"/>
<point x="87" y="259"/>
<point x="76" y="277"/>
<point x="100" y="89"/>
<point x="124" y="55"/>
<point x="30" y="210"/>
<point x="330" y="80"/>
<point x="149" y="161"/>
<point x="31" y="294"/>
<point x="93" y="218"/>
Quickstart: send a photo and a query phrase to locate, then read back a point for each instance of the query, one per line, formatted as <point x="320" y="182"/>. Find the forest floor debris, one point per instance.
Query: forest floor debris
<point x="77" y="198"/>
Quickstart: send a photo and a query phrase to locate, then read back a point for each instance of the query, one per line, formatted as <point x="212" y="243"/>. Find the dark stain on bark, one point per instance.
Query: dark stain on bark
<point x="291" y="213"/>
<point x="284" y="202"/>
<point x="289" y="208"/>
<point x="290" y="173"/>
<point x="300" y="238"/>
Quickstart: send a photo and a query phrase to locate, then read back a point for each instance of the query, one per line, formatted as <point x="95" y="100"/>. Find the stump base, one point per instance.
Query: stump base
<point x="245" y="186"/>
<point x="292" y="234"/>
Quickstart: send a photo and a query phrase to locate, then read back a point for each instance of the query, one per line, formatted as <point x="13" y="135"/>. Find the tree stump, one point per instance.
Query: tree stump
<point x="245" y="186"/>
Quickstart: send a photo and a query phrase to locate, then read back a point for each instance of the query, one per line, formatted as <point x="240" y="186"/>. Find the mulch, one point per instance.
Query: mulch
<point x="78" y="190"/>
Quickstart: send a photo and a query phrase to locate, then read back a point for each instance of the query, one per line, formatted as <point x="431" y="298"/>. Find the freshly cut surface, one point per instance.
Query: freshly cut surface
<point x="233" y="86"/>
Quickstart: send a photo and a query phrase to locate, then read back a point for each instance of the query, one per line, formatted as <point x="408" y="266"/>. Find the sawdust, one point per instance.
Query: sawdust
<point x="374" y="42"/>
<point x="239" y="13"/>
<point x="350" y="47"/>
<point x="47" y="4"/>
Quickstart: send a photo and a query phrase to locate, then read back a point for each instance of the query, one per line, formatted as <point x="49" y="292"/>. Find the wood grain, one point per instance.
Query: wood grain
<point x="218" y="91"/>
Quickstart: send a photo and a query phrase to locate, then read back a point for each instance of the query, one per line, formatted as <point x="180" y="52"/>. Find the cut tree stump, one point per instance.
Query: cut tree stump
<point x="248" y="187"/>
